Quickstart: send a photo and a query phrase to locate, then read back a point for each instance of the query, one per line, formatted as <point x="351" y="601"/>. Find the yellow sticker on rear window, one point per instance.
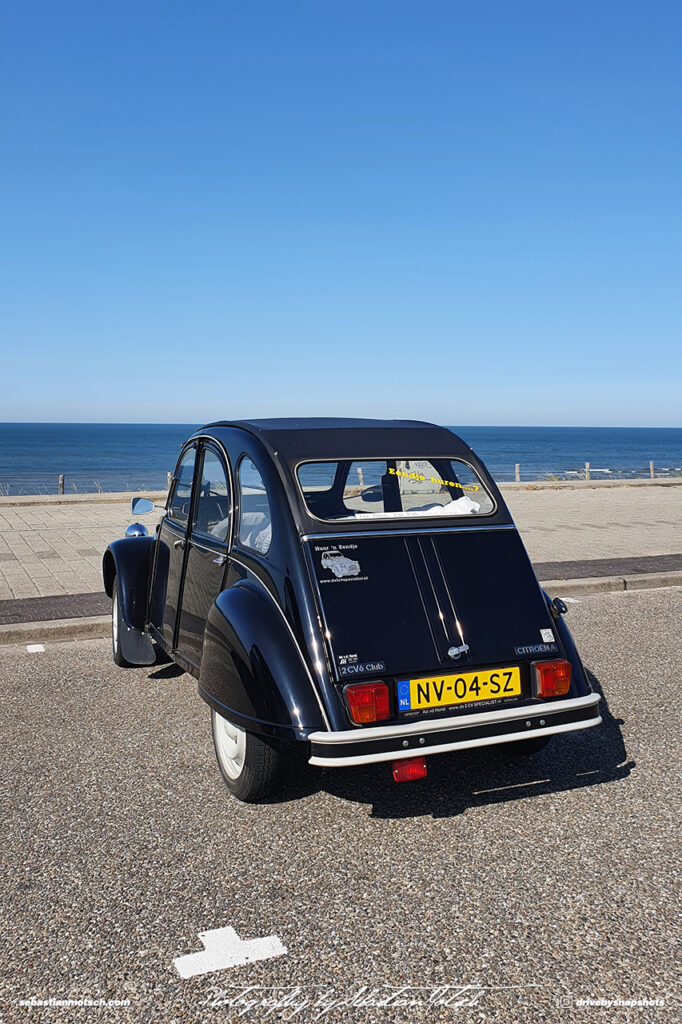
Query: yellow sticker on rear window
<point x="431" y="479"/>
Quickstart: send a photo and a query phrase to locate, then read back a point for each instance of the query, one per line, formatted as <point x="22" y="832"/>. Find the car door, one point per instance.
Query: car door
<point x="208" y="542"/>
<point x="171" y="548"/>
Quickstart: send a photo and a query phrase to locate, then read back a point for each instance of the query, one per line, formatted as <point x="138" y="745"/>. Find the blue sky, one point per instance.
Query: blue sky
<point x="466" y="212"/>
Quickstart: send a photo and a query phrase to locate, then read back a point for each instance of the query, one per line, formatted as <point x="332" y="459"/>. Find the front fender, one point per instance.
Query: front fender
<point x="252" y="671"/>
<point x="129" y="560"/>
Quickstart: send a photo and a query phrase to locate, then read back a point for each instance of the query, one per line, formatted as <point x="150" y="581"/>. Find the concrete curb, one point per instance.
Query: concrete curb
<point x="610" y="584"/>
<point x="55" y="629"/>
<point x="591" y="585"/>
<point x="648" y="580"/>
<point x="100" y="625"/>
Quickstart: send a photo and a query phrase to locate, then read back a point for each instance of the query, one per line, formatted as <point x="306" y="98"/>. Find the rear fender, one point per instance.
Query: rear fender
<point x="580" y="685"/>
<point x="252" y="671"/>
<point x="129" y="561"/>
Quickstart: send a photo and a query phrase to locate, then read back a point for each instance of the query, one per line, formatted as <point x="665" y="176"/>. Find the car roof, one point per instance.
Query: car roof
<point x="294" y="440"/>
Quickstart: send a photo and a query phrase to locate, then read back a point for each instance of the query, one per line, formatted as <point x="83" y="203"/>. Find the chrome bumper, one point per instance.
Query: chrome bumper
<point x="412" y="739"/>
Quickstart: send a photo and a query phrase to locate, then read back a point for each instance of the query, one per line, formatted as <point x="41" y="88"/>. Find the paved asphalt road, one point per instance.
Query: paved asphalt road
<point x="120" y="844"/>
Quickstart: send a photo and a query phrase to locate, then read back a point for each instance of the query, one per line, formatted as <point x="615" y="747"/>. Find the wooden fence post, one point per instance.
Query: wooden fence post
<point x="517" y="472"/>
<point x="60" y="485"/>
<point x="587" y="471"/>
<point x="651" y="468"/>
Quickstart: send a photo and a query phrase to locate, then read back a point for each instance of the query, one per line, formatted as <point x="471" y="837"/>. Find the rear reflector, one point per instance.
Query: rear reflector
<point x="409" y="769"/>
<point x="552" y="678"/>
<point x="368" y="702"/>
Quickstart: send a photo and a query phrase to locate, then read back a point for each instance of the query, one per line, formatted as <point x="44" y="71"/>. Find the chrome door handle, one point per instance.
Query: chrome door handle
<point x="220" y="560"/>
<point x="179" y="544"/>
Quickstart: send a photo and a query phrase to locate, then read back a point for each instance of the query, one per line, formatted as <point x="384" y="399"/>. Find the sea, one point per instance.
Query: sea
<point x="137" y="456"/>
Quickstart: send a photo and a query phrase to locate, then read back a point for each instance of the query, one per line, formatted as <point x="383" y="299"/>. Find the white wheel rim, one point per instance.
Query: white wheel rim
<point x="230" y="743"/>
<point x="114" y="620"/>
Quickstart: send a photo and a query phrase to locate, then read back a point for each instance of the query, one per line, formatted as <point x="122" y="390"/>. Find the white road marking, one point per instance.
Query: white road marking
<point x="571" y="600"/>
<point x="35" y="648"/>
<point x="223" y="948"/>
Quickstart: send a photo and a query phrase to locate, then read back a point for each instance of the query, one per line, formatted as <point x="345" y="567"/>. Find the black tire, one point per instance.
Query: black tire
<point x="248" y="764"/>
<point x="526" y="748"/>
<point x="116" y="628"/>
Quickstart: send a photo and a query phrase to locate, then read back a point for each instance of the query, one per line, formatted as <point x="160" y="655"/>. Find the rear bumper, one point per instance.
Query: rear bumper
<point x="393" y="742"/>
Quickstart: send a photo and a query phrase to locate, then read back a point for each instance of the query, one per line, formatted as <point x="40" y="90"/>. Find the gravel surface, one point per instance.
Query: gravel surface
<point x="538" y="881"/>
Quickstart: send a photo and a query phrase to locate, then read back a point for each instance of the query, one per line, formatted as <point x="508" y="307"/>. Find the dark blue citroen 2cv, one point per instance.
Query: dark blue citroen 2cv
<point x="354" y="586"/>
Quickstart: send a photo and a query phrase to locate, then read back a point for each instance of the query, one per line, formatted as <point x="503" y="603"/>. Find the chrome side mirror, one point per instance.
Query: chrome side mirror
<point x="141" y="506"/>
<point x="136" y="530"/>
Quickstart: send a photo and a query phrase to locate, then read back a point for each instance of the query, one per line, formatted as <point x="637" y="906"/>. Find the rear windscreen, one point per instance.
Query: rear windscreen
<point x="392" y="488"/>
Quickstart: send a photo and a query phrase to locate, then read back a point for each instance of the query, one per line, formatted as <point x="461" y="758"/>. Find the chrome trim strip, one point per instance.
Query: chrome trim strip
<point x="173" y="526"/>
<point x="432" y="531"/>
<point x="296" y="643"/>
<point x="483" y="741"/>
<point x="233" y="558"/>
<point x="398" y="731"/>
<point x="209" y="551"/>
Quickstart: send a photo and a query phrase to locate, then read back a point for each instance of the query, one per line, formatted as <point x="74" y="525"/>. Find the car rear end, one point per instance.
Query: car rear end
<point x="442" y="640"/>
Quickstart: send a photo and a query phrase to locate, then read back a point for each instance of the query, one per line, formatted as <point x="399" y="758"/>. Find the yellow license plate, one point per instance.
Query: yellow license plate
<point x="465" y="688"/>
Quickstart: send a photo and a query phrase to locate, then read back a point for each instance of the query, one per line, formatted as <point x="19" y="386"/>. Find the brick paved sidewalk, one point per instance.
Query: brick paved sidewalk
<point x="52" y="550"/>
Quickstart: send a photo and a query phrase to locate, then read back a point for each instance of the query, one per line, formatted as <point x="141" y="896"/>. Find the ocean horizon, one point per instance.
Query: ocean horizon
<point x="137" y="456"/>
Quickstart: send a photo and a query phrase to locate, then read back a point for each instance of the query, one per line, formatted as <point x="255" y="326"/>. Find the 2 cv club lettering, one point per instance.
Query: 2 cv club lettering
<point x="362" y="668"/>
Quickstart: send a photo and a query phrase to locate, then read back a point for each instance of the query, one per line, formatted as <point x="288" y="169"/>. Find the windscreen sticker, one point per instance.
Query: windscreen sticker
<point x="431" y="479"/>
<point x="338" y="561"/>
<point x="360" y="668"/>
<point x="547" y="635"/>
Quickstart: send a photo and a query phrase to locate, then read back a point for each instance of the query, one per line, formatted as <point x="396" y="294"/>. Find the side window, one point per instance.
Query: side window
<point x="213" y="504"/>
<point x="255" y="523"/>
<point x="181" y="499"/>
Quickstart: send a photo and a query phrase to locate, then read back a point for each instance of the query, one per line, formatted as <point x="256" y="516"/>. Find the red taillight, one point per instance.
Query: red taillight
<point x="368" y="702"/>
<point x="552" y="678"/>
<point x="409" y="769"/>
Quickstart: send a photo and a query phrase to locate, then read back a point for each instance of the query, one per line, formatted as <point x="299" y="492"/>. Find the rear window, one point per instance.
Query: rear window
<point x="392" y="488"/>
